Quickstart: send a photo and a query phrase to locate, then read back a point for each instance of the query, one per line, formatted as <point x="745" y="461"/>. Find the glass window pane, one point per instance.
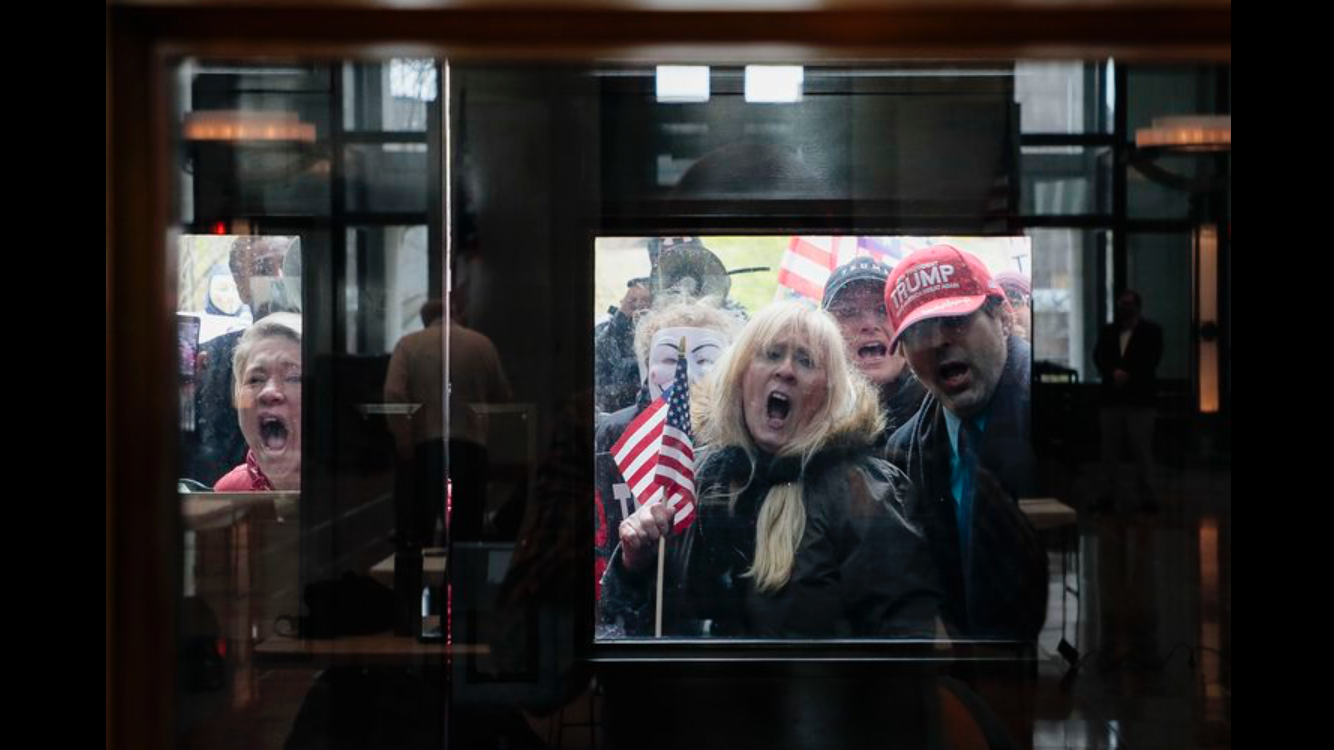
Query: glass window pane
<point x="1160" y="268"/>
<point x="393" y="96"/>
<point x="1063" y="97"/>
<point x="1066" y="280"/>
<point x="1065" y="180"/>
<point x="389" y="178"/>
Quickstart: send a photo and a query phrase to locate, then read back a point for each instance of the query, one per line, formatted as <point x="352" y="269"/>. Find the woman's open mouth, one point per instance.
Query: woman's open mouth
<point x="777" y="409"/>
<point x="273" y="432"/>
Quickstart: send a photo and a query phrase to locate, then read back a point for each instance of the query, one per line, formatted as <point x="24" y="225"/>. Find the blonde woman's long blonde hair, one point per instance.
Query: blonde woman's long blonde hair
<point x="851" y="410"/>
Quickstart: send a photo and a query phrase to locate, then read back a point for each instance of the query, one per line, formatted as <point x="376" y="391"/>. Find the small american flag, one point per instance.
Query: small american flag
<point x="656" y="454"/>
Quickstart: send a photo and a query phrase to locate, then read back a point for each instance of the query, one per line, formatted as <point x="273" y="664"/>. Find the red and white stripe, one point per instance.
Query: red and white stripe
<point x="637" y="451"/>
<point x="676" y="474"/>
<point x="807" y="264"/>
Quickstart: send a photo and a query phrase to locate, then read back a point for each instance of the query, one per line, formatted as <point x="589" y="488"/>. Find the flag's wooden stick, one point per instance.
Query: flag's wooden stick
<point x="662" y="558"/>
<point x="662" y="540"/>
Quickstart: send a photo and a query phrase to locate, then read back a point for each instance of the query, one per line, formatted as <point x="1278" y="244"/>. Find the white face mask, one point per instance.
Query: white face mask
<point x="703" y="348"/>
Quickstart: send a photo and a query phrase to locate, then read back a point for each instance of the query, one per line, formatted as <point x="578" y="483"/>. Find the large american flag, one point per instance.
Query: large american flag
<point x="807" y="264"/>
<point x="656" y="453"/>
<point x="810" y="260"/>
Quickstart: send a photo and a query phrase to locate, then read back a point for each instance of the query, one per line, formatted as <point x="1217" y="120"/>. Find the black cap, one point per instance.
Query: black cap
<point x="857" y="269"/>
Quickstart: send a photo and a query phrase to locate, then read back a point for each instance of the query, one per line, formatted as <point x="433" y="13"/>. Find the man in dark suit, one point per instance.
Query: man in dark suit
<point x="967" y="449"/>
<point x="1127" y="355"/>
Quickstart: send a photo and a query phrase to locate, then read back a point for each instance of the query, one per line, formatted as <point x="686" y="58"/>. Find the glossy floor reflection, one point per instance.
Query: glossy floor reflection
<point x="1151" y="611"/>
<point x="1135" y="654"/>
